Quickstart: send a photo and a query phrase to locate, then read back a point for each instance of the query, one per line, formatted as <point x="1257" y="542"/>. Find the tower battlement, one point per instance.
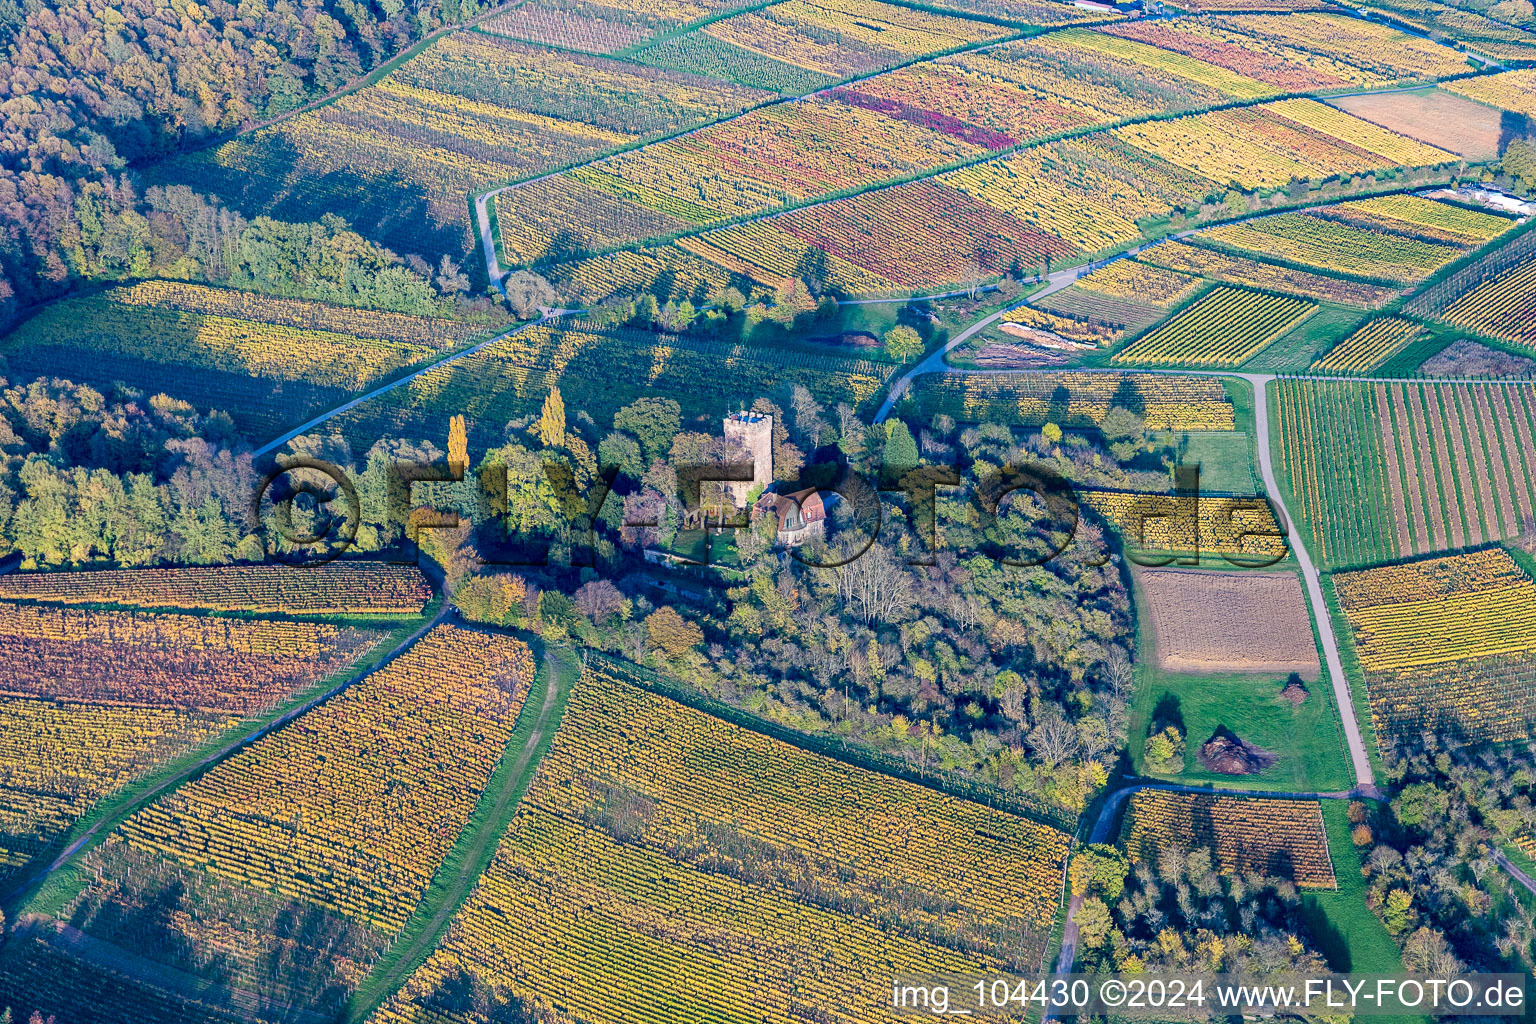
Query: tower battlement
<point x="755" y="432"/>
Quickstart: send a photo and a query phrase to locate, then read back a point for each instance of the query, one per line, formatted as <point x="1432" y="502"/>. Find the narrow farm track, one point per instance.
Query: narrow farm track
<point x="479" y="847"/>
<point x="26" y="885"/>
<point x="1104" y="824"/>
<point x="1514" y="872"/>
<point x="308" y="425"/>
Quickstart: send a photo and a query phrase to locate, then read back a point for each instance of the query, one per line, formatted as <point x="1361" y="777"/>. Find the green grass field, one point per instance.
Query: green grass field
<point x="1345" y="929"/>
<point x="1308" y="739"/>
<point x="1295" y="350"/>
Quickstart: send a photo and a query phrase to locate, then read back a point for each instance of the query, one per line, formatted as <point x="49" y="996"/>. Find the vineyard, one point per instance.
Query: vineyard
<point x="1075" y="399"/>
<point x="1267" y="147"/>
<point x="264" y="360"/>
<point x="1056" y="199"/>
<point x="1094" y="318"/>
<point x="842" y="38"/>
<point x="1514" y="91"/>
<point x="1440" y="466"/>
<point x="668" y="272"/>
<point x="1335" y="246"/>
<point x="1097" y="331"/>
<point x="92" y="700"/>
<point x="38" y="976"/>
<point x="335" y="823"/>
<point x="1225" y="328"/>
<point x="769" y="157"/>
<point x="1410" y="214"/>
<point x="1446" y="644"/>
<point x="1500" y="308"/>
<point x="925" y="232"/>
<point x="352" y="807"/>
<point x="374" y="588"/>
<point x="1491" y="295"/>
<point x="1426" y="613"/>
<point x="1141" y="282"/>
<point x="653" y="845"/>
<point x="396" y="159"/>
<point x="179" y="661"/>
<point x="1223" y="266"/>
<point x="1283" y="838"/>
<point x="1343" y="513"/>
<point x="600" y="372"/>
<point x="1301" y="52"/>
<point x="1370" y="346"/>
<point x="1483" y="35"/>
<point x="1165" y="525"/>
<point x="598" y="27"/>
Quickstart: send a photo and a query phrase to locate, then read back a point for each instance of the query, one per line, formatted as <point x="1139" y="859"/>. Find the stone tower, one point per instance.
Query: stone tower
<point x="755" y="432"/>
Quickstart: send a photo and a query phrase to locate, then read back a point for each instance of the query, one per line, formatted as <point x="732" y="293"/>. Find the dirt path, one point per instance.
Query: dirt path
<point x="403" y="959"/>
<point x="1514" y="872"/>
<point x="165" y="785"/>
<point x="304" y="428"/>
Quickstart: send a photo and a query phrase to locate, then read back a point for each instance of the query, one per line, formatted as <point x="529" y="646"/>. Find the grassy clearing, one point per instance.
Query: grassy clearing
<point x="1296" y="350"/>
<point x="558" y="671"/>
<point x="1343" y="927"/>
<point x="1225" y="458"/>
<point x="1307" y="739"/>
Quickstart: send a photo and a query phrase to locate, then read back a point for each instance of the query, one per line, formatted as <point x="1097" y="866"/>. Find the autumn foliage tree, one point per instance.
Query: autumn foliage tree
<point x="551" y="426"/>
<point x="674" y="635"/>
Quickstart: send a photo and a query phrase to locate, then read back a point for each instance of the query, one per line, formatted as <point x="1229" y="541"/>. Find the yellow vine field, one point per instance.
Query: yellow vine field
<point x="1447" y="644"/>
<point x="1222" y="266"/>
<point x="336" y="588"/>
<point x="180" y="661"/>
<point x="91" y="700"/>
<point x="644" y="872"/>
<point x="1282" y="838"/>
<point x="1512" y="90"/>
<point x="56" y="759"/>
<point x="1444" y="609"/>
<point x="1142" y="282"/>
<point x="1165" y="401"/>
<point x="1370" y="346"/>
<point x="353" y="806"/>
<point x="1207" y="524"/>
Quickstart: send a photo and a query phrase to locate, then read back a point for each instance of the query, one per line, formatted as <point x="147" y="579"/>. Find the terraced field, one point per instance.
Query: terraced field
<point x="642" y="803"/>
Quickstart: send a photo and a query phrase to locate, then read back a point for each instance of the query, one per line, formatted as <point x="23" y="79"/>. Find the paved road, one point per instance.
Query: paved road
<point x="306" y="427"/>
<point x="1103" y="828"/>
<point x="1341" y="694"/>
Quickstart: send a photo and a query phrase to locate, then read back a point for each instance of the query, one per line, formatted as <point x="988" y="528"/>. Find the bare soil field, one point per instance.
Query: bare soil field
<point x="1438" y="118"/>
<point x="1229" y="622"/>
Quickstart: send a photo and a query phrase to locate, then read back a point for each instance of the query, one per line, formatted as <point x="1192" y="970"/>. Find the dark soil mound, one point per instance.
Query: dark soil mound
<point x="1295" y="693"/>
<point x="1226" y="754"/>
